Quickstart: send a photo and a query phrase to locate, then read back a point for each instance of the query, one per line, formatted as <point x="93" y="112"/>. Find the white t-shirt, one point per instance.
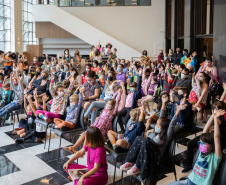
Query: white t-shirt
<point x="108" y="94"/>
<point x="40" y="127"/>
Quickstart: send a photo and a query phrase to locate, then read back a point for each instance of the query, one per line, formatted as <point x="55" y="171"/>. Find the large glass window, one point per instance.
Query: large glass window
<point x="28" y="25"/>
<point x="5" y="25"/>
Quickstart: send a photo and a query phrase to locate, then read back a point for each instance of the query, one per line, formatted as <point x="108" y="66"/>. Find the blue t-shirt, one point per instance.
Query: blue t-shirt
<point x="204" y="169"/>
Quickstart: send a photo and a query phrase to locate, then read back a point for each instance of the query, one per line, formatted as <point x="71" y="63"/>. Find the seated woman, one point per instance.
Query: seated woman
<point x="139" y="150"/>
<point x="96" y="159"/>
<point x="92" y="91"/>
<point x="209" y="157"/>
<point x="100" y="103"/>
<point x="35" y="80"/>
<point x="104" y="122"/>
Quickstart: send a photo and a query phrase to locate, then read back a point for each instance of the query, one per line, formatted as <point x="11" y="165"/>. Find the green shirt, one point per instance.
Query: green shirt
<point x="204" y="169"/>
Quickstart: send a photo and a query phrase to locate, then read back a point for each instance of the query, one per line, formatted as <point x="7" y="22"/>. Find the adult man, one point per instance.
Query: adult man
<point x="183" y="81"/>
<point x="160" y="57"/>
<point x="35" y="61"/>
<point x="177" y="57"/>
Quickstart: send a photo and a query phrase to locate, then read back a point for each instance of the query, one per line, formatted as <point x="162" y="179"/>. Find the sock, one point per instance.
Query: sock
<point x="42" y="116"/>
<point x="114" y="144"/>
<point x="54" y="126"/>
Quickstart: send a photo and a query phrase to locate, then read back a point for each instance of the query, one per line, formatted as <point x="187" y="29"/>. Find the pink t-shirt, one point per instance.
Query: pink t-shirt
<point x="97" y="155"/>
<point x="129" y="100"/>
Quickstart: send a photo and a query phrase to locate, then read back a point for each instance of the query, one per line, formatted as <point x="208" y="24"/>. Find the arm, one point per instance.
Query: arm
<point x="214" y="74"/>
<point x="147" y="84"/>
<point x="25" y="103"/>
<point x="103" y="93"/>
<point x="118" y="98"/>
<point x="224" y="93"/>
<point x="204" y="92"/>
<point x="96" y="95"/>
<point x="208" y="124"/>
<point x="51" y="88"/>
<point x="80" y="101"/>
<point x="32" y="105"/>
<point x="142" y="116"/>
<point x="217" y="141"/>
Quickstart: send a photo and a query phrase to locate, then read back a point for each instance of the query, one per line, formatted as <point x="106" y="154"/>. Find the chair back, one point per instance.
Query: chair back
<point x="220" y="177"/>
<point x="168" y="159"/>
<point x="114" y="123"/>
<point x="80" y="118"/>
<point x="12" y="96"/>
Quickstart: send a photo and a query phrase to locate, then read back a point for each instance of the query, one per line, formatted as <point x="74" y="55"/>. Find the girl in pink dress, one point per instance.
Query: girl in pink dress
<point x="104" y="122"/>
<point x="96" y="160"/>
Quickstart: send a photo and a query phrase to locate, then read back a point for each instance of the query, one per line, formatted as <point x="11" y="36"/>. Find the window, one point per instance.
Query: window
<point x="27" y="24"/>
<point x="5" y="25"/>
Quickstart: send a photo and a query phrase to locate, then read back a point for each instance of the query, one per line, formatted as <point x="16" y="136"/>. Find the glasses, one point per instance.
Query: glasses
<point x="202" y="143"/>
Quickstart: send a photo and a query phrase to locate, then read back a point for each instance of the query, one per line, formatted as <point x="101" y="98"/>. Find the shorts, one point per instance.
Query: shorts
<point x="120" y="136"/>
<point x="202" y="105"/>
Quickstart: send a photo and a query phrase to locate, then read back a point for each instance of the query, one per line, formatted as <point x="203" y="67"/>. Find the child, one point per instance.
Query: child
<point x="169" y="81"/>
<point x="102" y="79"/>
<point x="104" y="122"/>
<point x="96" y="159"/>
<point x="150" y="91"/>
<point x="135" y="129"/>
<point x="209" y="157"/>
<point x="6" y="94"/>
<point x="187" y="60"/>
<point x="72" y="114"/>
<point x="165" y="57"/>
<point x="195" y="93"/>
<point x="18" y="98"/>
<point x="59" y="103"/>
<point x="39" y="132"/>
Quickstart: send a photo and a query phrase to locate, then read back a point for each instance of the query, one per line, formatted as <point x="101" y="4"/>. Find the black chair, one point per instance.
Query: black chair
<point x="220" y="178"/>
<point x="60" y="133"/>
<point x="43" y="122"/>
<point x="168" y="165"/>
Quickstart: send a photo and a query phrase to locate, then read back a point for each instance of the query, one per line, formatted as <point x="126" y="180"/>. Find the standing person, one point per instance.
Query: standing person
<point x="2" y="59"/>
<point x="77" y="61"/>
<point x="66" y="56"/>
<point x="194" y="60"/>
<point x="177" y="57"/>
<point x="160" y="57"/>
<point x="91" y="55"/>
<point x="98" y="56"/>
<point x="36" y="62"/>
<point x="144" y="57"/>
<point x="120" y="75"/>
<point x="185" y="51"/>
<point x="96" y="160"/>
<point x="170" y="55"/>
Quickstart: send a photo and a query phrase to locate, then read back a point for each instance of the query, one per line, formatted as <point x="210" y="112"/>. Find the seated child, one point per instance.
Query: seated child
<point x="72" y="114"/>
<point x="96" y="160"/>
<point x="104" y="122"/>
<point x="40" y="130"/>
<point x="195" y="93"/>
<point x="5" y="96"/>
<point x="102" y="79"/>
<point x="209" y="158"/>
<point x="60" y="97"/>
<point x="135" y="129"/>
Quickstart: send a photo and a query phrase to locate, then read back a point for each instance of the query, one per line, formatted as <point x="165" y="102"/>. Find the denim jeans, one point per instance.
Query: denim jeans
<point x="7" y="68"/>
<point x="96" y="104"/>
<point x="9" y="108"/>
<point x="182" y="182"/>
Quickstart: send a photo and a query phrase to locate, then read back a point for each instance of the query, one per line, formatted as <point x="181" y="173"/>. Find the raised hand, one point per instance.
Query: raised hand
<point x="181" y="106"/>
<point x="29" y="96"/>
<point x="45" y="98"/>
<point x="165" y="99"/>
<point x="224" y="86"/>
<point x="219" y="113"/>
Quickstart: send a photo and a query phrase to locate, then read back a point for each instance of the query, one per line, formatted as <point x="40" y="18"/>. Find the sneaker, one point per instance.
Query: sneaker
<point x="133" y="171"/>
<point x="126" y="166"/>
<point x="116" y="148"/>
<point x="186" y="169"/>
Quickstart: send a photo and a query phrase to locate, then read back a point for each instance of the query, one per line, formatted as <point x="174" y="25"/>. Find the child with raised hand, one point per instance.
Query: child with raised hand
<point x="18" y="98"/>
<point x="5" y="95"/>
<point x="72" y="113"/>
<point x="96" y="160"/>
<point x="135" y="129"/>
<point x="104" y="122"/>
<point x="209" y="157"/>
<point x="60" y="97"/>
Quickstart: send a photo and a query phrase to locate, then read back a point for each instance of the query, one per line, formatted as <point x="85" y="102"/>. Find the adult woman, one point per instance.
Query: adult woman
<point x="170" y="55"/>
<point x="2" y="59"/>
<point x="43" y="85"/>
<point x="202" y="78"/>
<point x="77" y="61"/>
<point x="36" y="79"/>
<point x="98" y="56"/>
<point x="144" y="57"/>
<point x="25" y="65"/>
<point x="211" y="78"/>
<point x="66" y="56"/>
<point x="76" y="76"/>
<point x="106" y="95"/>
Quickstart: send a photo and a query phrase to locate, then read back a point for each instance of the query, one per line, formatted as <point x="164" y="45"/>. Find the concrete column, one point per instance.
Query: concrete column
<point x="173" y="22"/>
<point x="187" y="24"/>
<point x="219" y="38"/>
<point x="16" y="26"/>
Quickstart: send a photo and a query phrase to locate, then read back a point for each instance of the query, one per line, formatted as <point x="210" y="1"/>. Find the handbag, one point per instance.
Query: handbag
<point x="214" y="89"/>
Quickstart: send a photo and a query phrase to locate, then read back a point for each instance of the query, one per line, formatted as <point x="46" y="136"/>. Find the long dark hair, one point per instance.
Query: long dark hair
<point x="97" y="52"/>
<point x="94" y="138"/>
<point x="205" y="80"/>
<point x="160" y="100"/>
<point x="164" y="122"/>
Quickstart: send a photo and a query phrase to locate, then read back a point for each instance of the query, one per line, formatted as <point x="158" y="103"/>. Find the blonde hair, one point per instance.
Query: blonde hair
<point x="134" y="115"/>
<point x="74" y="97"/>
<point x="112" y="102"/>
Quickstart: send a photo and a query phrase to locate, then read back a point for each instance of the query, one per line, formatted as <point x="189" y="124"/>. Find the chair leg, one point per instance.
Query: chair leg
<point x="122" y="176"/>
<point x="59" y="150"/>
<point x="114" y="173"/>
<point x="46" y="136"/>
<point x="49" y="140"/>
<point x="13" y="121"/>
<point x="70" y="137"/>
<point x="17" y="116"/>
<point x="175" y="175"/>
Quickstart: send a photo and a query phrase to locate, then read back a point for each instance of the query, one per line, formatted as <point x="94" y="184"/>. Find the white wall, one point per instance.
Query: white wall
<point x="58" y="45"/>
<point x="140" y="27"/>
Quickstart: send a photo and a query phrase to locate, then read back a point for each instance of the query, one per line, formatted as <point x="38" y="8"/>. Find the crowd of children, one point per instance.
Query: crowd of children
<point x="117" y="87"/>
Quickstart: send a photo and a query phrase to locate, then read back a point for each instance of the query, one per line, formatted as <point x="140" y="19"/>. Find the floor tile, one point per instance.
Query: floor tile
<point x="10" y="148"/>
<point x="52" y="179"/>
<point x="6" y="166"/>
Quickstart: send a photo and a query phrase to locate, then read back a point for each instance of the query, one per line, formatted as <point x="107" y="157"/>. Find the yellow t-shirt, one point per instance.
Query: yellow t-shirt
<point x="91" y="54"/>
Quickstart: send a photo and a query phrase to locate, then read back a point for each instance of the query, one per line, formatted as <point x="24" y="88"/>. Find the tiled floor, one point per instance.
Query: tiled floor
<point x="31" y="164"/>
